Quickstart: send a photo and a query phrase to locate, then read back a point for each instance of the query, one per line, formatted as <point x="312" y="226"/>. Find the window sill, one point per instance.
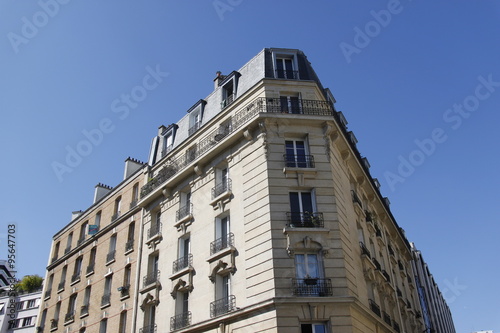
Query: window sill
<point x="129" y="251"/>
<point x="110" y="262"/>
<point x="182" y="272"/>
<point x="105" y="305"/>
<point x="221" y="253"/>
<point x="223" y="197"/>
<point x="74" y="282"/>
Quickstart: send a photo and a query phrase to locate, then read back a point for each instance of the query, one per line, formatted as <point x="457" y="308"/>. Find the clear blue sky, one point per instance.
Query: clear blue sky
<point x="396" y="72"/>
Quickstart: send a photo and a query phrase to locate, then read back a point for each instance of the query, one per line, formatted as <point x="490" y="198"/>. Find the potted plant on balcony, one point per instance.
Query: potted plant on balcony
<point x="311" y="220"/>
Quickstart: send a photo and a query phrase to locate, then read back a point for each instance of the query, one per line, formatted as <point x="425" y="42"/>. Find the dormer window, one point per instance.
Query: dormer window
<point x="229" y="89"/>
<point x="196" y="116"/>
<point x="285" y="66"/>
<point x="167" y="139"/>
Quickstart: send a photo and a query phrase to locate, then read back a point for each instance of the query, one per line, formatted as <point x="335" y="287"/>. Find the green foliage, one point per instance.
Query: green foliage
<point x="30" y="283"/>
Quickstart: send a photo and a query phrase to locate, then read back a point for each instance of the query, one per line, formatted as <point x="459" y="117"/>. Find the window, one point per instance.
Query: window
<point x="186" y="206"/>
<point x="135" y="195"/>
<point x="130" y="237"/>
<point x="183" y="256"/>
<point x="195" y="116"/>
<point x="98" y="219"/>
<point x="307" y="265"/>
<point x="296" y="154"/>
<point x="106" y="297"/>
<point x="43" y="318"/>
<point x="117" y="208"/>
<point x="68" y="243"/>
<point x="86" y="301"/>
<point x="56" y="251"/>
<point x="103" y="326"/>
<point x="168" y="143"/>
<point x="83" y="231"/>
<point x="312" y="328"/>
<point x="155" y="225"/>
<point x="303" y="210"/>
<point x="222" y="182"/>
<point x="112" y="249"/>
<point x="13" y="323"/>
<point x="290" y="104"/>
<point x="191" y="154"/>
<point x="63" y="278"/>
<point x="223" y="236"/>
<point x="224" y="301"/>
<point x="285" y="67"/>
<point x="90" y="267"/>
<point x="153" y="271"/>
<point x="123" y="322"/>
<point x="19" y="305"/>
<point x="78" y="269"/>
<point x="70" y="315"/>
<point x="309" y="279"/>
<point x="27" y="321"/>
<point x="228" y="94"/>
<point x="149" y="318"/>
<point x="57" y="310"/>
<point x="125" y="288"/>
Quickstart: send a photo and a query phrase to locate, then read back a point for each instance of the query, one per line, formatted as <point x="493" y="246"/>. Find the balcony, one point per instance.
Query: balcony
<point x="364" y="250"/>
<point x="115" y="216"/>
<point x="84" y="310"/>
<point x="184" y="212"/>
<point x="299" y="161"/>
<point x="110" y="256"/>
<point x="238" y="120"/>
<point x="312" y="287"/>
<point x="182" y="263"/>
<point x="286" y="74"/>
<point x="124" y="291"/>
<point x="222" y="306"/>
<point x="90" y="269"/>
<point x="305" y="220"/>
<point x="129" y="245"/>
<point x="374" y="307"/>
<point x="69" y="317"/>
<point x="106" y="299"/>
<point x="387" y="318"/>
<point x="155" y="230"/>
<point x="222" y="243"/>
<point x="356" y="199"/>
<point x="395" y="325"/>
<point x="386" y="275"/>
<point x="221" y="188"/>
<point x="75" y="277"/>
<point x="179" y="321"/>
<point x="148" y="329"/>
<point x="194" y="128"/>
<point x="151" y="278"/>
<point x="377" y="264"/>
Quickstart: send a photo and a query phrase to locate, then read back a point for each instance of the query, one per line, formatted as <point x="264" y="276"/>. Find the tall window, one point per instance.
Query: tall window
<point x="112" y="249"/>
<point x="302" y="209"/>
<point x="228" y="94"/>
<point x="183" y="254"/>
<point x="97" y="221"/>
<point x="155" y="224"/>
<point x="56" y="251"/>
<point x="103" y="326"/>
<point x="296" y="154"/>
<point x="90" y="267"/>
<point x="127" y="272"/>
<point x="71" y="307"/>
<point x="63" y="278"/>
<point x="153" y="271"/>
<point x="149" y="318"/>
<point x="135" y="195"/>
<point x="123" y="322"/>
<point x="117" y="209"/>
<point x="83" y="231"/>
<point x="56" y="311"/>
<point x="43" y="318"/>
<point x="307" y="266"/>
<point x="130" y="237"/>
<point x="86" y="296"/>
<point x="168" y="143"/>
<point x="77" y="269"/>
<point x="68" y="243"/>
<point x="106" y="297"/>
<point x="285" y="68"/>
<point x="290" y="104"/>
<point x="223" y="234"/>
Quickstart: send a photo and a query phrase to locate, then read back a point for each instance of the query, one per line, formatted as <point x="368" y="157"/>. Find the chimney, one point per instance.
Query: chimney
<point x="161" y="129"/>
<point x="218" y="79"/>
<point x="131" y="166"/>
<point x="75" y="214"/>
<point x="100" y="191"/>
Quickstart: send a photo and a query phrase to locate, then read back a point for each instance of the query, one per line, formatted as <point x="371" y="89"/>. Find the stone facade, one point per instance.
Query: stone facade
<point x="256" y="213"/>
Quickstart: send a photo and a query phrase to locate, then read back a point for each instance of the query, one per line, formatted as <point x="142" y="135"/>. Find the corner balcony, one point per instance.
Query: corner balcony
<point x="179" y="321"/>
<point x="222" y="306"/>
<point x="305" y="220"/>
<point x="213" y="138"/>
<point x="314" y="287"/>
<point x="298" y="161"/>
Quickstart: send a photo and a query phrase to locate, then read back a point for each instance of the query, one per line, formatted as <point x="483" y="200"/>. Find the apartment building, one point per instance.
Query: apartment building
<point x="255" y="212"/>
<point x="436" y="313"/>
<point x="93" y="262"/>
<point x="19" y="313"/>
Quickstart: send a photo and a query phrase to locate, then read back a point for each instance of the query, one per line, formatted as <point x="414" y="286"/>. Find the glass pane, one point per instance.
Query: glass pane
<point x="294" y="104"/>
<point x="307" y="202"/>
<point x="294" y="202"/>
<point x="319" y="328"/>
<point x="312" y="265"/>
<point x="300" y="266"/>
<point x="306" y="328"/>
<point x="284" y="104"/>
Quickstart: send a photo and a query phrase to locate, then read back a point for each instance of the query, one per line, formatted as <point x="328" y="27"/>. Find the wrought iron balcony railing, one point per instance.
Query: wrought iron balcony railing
<point x="229" y="99"/>
<point x="194" y="128"/>
<point x="184" y="211"/>
<point x="222" y="306"/>
<point x="151" y="277"/>
<point x="298" y="161"/>
<point x="364" y="250"/>
<point x="305" y="220"/>
<point x="355" y="198"/>
<point x="84" y="310"/>
<point x="286" y="74"/>
<point x="221" y="188"/>
<point x="129" y="245"/>
<point x="154" y="230"/>
<point x="386" y="275"/>
<point x="124" y="290"/>
<point x="387" y="318"/>
<point x="90" y="268"/>
<point x="376" y="263"/>
<point x="148" y="329"/>
<point x="106" y="299"/>
<point x="238" y="120"/>
<point x="222" y="243"/>
<point x="179" y="321"/>
<point x="70" y="316"/>
<point x="110" y="256"/>
<point x="182" y="263"/>
<point x="374" y="307"/>
<point x="312" y="287"/>
<point x="166" y="150"/>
